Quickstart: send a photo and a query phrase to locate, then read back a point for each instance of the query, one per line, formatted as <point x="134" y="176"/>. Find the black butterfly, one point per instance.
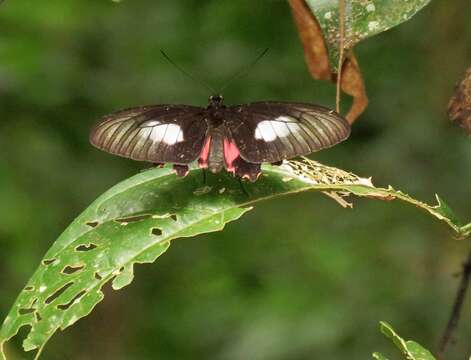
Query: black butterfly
<point x="236" y="138"/>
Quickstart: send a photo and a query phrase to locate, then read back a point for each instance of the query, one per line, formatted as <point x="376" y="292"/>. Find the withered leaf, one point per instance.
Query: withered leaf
<point x="459" y="107"/>
<point x="353" y="85"/>
<point x="317" y="59"/>
<point x="315" y="49"/>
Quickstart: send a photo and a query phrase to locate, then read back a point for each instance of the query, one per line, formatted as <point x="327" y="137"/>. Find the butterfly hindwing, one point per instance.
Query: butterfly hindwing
<point x="274" y="131"/>
<point x="159" y="134"/>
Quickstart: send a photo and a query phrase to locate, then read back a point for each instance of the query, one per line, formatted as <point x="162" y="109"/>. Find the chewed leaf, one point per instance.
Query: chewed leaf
<point x="333" y="178"/>
<point x="135" y="221"/>
<point x="67" y="285"/>
<point x="363" y="18"/>
<point x="410" y="349"/>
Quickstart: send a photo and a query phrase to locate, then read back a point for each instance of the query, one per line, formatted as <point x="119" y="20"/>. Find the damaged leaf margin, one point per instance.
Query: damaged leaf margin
<point x="135" y="221"/>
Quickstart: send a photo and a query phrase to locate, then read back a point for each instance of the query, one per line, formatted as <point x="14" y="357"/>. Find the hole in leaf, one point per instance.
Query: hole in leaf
<point x="93" y="223"/>
<point x="71" y="302"/>
<point x="156" y="231"/>
<point x="69" y="270"/>
<point x="85" y="247"/>
<point x="26" y="311"/>
<point x="48" y="262"/>
<point x="38" y="317"/>
<point x="34" y="302"/>
<point x="29" y="288"/>
<point x="131" y="219"/>
<point x="173" y="217"/>
<point x="98" y="276"/>
<point x="58" y="293"/>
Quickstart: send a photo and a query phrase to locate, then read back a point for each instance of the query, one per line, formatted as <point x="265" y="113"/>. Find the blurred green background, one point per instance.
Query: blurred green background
<point x="298" y="277"/>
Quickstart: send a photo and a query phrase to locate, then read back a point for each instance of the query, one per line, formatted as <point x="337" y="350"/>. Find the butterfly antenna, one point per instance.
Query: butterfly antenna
<point x="187" y="74"/>
<point x="244" y="71"/>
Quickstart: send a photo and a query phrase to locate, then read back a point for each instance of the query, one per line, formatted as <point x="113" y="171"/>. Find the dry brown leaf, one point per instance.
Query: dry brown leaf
<point x="315" y="50"/>
<point x="353" y="85"/>
<point x="459" y="107"/>
<point x="317" y="59"/>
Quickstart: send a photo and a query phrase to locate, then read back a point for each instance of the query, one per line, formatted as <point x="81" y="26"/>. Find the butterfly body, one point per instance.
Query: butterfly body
<point x="212" y="155"/>
<point x="235" y="138"/>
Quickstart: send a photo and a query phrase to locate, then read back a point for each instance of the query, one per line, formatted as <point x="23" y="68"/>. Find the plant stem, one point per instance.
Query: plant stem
<point x="341" y="41"/>
<point x="457" y="307"/>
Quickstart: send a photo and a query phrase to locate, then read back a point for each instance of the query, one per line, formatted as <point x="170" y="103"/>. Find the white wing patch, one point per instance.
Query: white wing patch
<point x="270" y="130"/>
<point x="167" y="133"/>
<point x="150" y="123"/>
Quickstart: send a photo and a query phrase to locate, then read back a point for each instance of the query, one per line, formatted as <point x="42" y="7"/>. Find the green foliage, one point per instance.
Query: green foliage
<point x="379" y="356"/>
<point x="134" y="222"/>
<point x="363" y="19"/>
<point x="285" y="282"/>
<point x="410" y="349"/>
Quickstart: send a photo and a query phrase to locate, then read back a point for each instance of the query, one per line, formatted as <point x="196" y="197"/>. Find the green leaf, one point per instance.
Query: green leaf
<point x="466" y="229"/>
<point x="134" y="222"/>
<point x="445" y="210"/>
<point x="410" y="349"/>
<point x="363" y="18"/>
<point x="379" y="356"/>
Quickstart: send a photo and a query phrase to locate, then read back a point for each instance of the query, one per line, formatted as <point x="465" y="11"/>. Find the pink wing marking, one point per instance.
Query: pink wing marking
<point x="231" y="152"/>
<point x="203" y="159"/>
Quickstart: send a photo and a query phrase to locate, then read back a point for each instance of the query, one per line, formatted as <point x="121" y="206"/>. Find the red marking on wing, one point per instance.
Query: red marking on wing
<point x="203" y="159"/>
<point x="231" y="152"/>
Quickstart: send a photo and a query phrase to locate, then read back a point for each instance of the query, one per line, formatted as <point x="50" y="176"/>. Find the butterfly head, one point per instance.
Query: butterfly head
<point x="215" y="100"/>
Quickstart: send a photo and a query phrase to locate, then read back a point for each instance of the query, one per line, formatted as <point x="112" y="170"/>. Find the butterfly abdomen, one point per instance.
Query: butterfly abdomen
<point x="216" y="150"/>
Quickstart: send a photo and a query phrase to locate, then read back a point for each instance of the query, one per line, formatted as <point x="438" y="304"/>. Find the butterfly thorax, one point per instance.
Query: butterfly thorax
<point x="216" y="101"/>
<point x="215" y="111"/>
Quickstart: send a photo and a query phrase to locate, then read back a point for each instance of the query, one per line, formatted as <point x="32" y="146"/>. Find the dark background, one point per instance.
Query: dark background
<point x="298" y="277"/>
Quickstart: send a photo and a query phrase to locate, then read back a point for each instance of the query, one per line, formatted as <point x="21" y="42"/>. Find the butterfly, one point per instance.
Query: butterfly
<point x="236" y="138"/>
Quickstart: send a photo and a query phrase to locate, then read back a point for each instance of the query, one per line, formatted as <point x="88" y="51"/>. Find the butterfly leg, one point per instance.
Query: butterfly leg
<point x="181" y="170"/>
<point x="242" y="187"/>
<point x="204" y="175"/>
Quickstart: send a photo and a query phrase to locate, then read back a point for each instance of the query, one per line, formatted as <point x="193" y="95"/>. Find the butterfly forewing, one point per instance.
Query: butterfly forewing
<point x="161" y="133"/>
<point x="274" y="131"/>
